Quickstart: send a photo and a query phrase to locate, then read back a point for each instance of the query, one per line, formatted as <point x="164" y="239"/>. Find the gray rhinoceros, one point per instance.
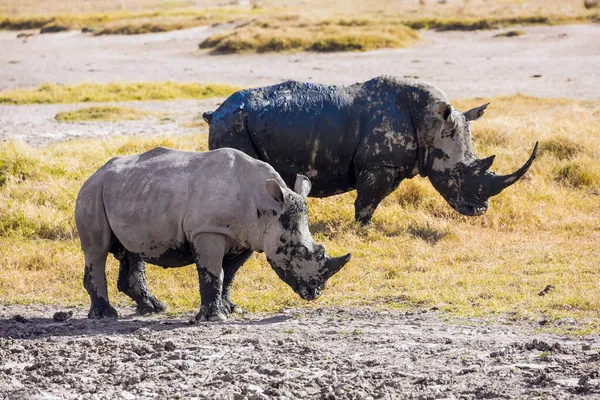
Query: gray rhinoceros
<point x="174" y="208"/>
<point x="367" y="136"/>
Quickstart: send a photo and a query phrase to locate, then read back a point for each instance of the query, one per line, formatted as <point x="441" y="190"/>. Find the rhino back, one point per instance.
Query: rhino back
<point x="299" y="128"/>
<point x="157" y="201"/>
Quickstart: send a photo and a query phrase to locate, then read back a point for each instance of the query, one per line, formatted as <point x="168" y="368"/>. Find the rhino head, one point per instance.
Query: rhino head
<point x="293" y="254"/>
<point x="464" y="180"/>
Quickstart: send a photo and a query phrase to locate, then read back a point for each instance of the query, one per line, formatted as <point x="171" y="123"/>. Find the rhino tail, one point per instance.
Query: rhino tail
<point x="208" y="116"/>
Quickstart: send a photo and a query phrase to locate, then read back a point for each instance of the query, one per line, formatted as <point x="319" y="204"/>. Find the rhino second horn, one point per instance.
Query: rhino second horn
<point x="334" y="264"/>
<point x="496" y="183"/>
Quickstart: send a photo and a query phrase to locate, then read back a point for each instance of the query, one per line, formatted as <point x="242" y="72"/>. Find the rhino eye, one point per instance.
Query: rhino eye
<point x="300" y="251"/>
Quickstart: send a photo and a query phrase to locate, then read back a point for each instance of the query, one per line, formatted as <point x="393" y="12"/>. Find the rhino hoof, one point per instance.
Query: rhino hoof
<point x="232" y="307"/>
<point x="216" y="317"/>
<point x="216" y="312"/>
<point x="104" y="311"/>
<point x="150" y="306"/>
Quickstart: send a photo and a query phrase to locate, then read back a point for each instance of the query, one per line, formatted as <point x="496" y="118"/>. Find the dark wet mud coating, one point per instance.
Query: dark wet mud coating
<point x="335" y="353"/>
<point x="368" y="136"/>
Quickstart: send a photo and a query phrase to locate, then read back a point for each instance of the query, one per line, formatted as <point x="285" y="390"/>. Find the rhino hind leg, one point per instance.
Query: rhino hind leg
<point x="94" y="281"/>
<point x="209" y="251"/>
<point x="96" y="240"/>
<point x="230" y="268"/>
<point x="372" y="186"/>
<point x="132" y="281"/>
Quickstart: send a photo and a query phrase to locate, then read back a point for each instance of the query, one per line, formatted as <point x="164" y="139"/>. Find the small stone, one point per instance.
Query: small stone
<point x="586" y="347"/>
<point x="20" y="318"/>
<point x="170" y="346"/>
<point x="62" y="316"/>
<point x="17" y="348"/>
<point x="499" y="353"/>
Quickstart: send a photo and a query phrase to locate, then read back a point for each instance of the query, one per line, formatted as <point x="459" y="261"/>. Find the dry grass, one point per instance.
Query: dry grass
<point x="289" y="33"/>
<point x="276" y="33"/>
<point x="128" y="22"/>
<point x="107" y="114"/>
<point x="98" y="92"/>
<point x="544" y="230"/>
<point x="384" y="26"/>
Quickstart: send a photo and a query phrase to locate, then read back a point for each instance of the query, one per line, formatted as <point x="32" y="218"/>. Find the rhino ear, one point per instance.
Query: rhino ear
<point x="443" y="111"/>
<point x="302" y="185"/>
<point x="275" y="190"/>
<point x="475" y="113"/>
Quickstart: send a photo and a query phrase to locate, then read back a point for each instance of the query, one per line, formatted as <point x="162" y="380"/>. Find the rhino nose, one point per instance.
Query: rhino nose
<point x="310" y="292"/>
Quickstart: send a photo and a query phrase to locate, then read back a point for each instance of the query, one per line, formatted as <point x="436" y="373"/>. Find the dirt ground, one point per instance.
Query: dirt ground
<point x="463" y="64"/>
<point x="293" y="354"/>
<point x="36" y="123"/>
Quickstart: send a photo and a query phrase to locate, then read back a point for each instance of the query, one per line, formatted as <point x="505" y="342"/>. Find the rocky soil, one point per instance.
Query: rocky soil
<point x="336" y="353"/>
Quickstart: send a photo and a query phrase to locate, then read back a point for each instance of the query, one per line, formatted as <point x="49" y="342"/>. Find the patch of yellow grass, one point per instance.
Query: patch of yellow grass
<point x="289" y="33"/>
<point x="127" y="22"/>
<point x="109" y="92"/>
<point x="541" y="231"/>
<point x="107" y="114"/>
<point x="145" y="16"/>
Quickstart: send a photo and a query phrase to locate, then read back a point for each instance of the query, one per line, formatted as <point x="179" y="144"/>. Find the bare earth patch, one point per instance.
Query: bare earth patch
<point x="340" y="353"/>
<point x="463" y="64"/>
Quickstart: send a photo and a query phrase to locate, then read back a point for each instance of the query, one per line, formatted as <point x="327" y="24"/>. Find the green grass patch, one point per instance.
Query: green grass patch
<point x="114" y="92"/>
<point x="418" y="253"/>
<point x="107" y="114"/>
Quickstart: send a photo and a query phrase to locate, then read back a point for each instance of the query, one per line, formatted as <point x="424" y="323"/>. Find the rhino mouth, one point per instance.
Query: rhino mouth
<point x="308" y="293"/>
<point x="472" y="209"/>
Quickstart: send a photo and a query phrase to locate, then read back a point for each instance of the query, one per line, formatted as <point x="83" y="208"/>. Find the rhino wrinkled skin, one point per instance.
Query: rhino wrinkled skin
<point x="367" y="136"/>
<point x="174" y="208"/>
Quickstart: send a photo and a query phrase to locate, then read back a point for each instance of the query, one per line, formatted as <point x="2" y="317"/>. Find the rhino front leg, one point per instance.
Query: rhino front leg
<point x="230" y="268"/>
<point x="209" y="252"/>
<point x="372" y="186"/>
<point x="132" y="282"/>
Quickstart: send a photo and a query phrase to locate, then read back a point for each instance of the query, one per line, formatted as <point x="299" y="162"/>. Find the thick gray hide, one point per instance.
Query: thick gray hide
<point x="367" y="136"/>
<point x="173" y="208"/>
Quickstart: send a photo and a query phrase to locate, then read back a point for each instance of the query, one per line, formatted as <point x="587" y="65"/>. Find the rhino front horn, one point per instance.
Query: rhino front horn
<point x="335" y="264"/>
<point x="497" y="183"/>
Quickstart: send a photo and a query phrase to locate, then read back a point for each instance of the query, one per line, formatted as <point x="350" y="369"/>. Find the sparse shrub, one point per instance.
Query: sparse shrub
<point x="561" y="147"/>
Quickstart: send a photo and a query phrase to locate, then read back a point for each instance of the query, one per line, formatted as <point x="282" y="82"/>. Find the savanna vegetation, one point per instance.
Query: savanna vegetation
<point x="106" y="113"/>
<point x="419" y="252"/>
<point x="111" y="92"/>
<point x="269" y="25"/>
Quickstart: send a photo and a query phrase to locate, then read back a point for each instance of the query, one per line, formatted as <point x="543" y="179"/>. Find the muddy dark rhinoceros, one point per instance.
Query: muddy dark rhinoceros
<point x="367" y="136"/>
<point x="174" y="208"/>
